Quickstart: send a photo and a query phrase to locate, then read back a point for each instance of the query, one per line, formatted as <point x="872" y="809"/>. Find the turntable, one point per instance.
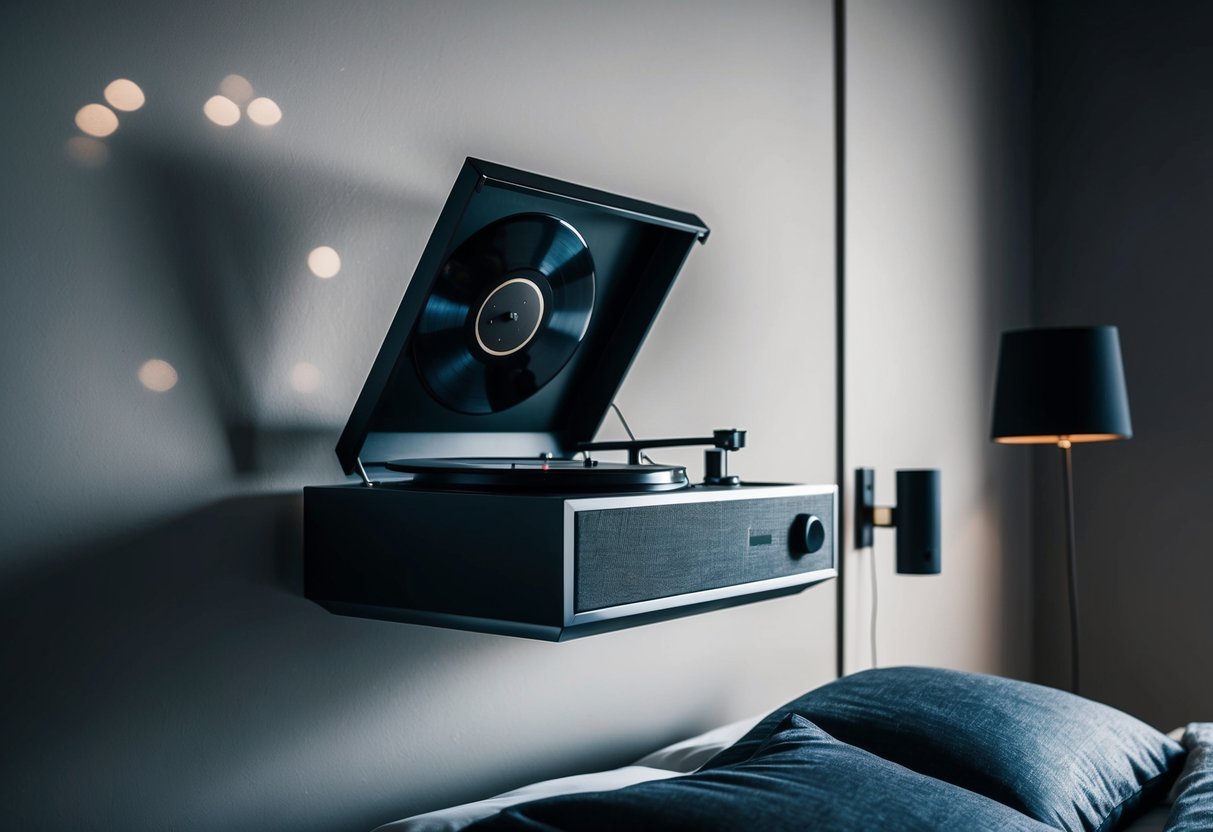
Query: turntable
<point x="482" y="502"/>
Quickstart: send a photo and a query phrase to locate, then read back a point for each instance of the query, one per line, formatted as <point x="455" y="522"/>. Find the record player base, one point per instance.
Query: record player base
<point x="558" y="567"/>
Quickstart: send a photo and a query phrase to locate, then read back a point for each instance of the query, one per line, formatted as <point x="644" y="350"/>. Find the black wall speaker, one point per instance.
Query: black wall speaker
<point x="917" y="517"/>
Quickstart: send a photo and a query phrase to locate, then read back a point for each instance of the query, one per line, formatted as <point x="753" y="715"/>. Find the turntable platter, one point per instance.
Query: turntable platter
<point x="540" y="475"/>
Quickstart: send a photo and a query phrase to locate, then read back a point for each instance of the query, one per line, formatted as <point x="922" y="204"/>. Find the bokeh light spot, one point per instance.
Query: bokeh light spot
<point x="223" y="111"/>
<point x="324" y="261"/>
<point x="86" y="152"/>
<point x="96" y="120"/>
<point x="158" y="375"/>
<point x="125" y="95"/>
<point x="237" y="88"/>
<point x="264" y="111"/>
<point x="306" y="377"/>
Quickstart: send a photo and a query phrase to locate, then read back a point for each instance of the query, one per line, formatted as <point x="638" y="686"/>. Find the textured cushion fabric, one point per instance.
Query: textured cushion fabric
<point x="1193" y="809"/>
<point x="1061" y="759"/>
<point x="799" y="778"/>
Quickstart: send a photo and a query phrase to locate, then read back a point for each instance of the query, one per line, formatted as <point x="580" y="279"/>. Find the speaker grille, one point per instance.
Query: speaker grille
<point x="626" y="555"/>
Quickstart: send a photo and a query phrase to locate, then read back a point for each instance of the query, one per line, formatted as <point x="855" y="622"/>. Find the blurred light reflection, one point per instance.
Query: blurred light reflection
<point x="158" y="375"/>
<point x="221" y="110"/>
<point x="306" y="377"/>
<point x="324" y="261"/>
<point x="264" y="111"/>
<point x="125" y="95"/>
<point x="86" y="152"/>
<point x="237" y="88"/>
<point x="96" y="120"/>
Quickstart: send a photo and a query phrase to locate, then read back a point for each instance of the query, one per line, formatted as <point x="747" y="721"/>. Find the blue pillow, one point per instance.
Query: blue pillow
<point x="1193" y="809"/>
<point x="799" y="778"/>
<point x="1061" y="759"/>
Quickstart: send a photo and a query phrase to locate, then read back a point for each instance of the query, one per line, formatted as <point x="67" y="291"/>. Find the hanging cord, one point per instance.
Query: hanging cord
<point x="874" y="605"/>
<point x="627" y="429"/>
<point x="623" y="421"/>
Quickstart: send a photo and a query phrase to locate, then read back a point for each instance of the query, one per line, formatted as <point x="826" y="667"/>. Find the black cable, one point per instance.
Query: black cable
<point x="624" y="421"/>
<point x="643" y="456"/>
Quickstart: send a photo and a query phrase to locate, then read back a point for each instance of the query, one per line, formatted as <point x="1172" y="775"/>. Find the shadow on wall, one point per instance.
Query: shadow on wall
<point x="189" y="681"/>
<point x="236" y="235"/>
<point x="178" y="679"/>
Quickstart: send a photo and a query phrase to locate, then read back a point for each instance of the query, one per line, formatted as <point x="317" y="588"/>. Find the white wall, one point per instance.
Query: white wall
<point x="164" y="670"/>
<point x="937" y="249"/>
<point x="162" y="667"/>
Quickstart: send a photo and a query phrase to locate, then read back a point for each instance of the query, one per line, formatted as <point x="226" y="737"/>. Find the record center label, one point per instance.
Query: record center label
<point x="509" y="317"/>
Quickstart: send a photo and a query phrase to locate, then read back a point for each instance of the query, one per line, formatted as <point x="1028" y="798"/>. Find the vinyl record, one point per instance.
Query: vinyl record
<point x="507" y="311"/>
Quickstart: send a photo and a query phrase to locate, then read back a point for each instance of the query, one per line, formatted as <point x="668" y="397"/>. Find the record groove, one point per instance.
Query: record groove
<point x="507" y="310"/>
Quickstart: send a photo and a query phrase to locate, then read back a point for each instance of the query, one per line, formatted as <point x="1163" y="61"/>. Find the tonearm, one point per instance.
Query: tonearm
<point x="716" y="463"/>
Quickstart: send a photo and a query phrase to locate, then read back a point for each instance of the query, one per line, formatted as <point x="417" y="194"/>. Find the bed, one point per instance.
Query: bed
<point x="906" y="748"/>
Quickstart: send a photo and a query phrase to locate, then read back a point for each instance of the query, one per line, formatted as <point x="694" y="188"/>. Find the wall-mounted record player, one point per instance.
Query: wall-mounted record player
<point x="483" y="503"/>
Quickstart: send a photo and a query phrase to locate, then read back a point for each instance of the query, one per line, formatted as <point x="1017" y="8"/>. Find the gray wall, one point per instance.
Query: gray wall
<point x="938" y="224"/>
<point x="1124" y="192"/>
<point x="162" y="669"/>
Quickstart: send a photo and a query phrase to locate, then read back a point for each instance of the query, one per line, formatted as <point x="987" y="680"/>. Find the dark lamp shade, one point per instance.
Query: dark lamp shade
<point x="1064" y="383"/>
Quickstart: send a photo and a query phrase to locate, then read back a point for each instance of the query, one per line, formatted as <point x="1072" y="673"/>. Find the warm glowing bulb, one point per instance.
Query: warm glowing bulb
<point x="124" y="95"/>
<point x="86" y="152"/>
<point x="305" y="377"/>
<point x="237" y="88"/>
<point x="324" y="261"/>
<point x="96" y="120"/>
<point x="223" y="111"/>
<point x="157" y="375"/>
<point x="264" y="111"/>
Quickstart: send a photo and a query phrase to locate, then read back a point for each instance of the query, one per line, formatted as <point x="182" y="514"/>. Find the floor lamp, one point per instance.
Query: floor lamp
<point x="1061" y="386"/>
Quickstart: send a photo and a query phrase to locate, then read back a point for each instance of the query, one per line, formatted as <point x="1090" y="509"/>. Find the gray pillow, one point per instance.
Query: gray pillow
<point x="798" y="778"/>
<point x="1061" y="759"/>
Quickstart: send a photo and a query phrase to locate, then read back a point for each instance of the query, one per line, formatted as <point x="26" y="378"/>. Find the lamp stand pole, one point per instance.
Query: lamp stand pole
<point x="1071" y="561"/>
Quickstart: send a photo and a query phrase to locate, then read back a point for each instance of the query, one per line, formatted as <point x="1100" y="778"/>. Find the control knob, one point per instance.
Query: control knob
<point x="808" y="534"/>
